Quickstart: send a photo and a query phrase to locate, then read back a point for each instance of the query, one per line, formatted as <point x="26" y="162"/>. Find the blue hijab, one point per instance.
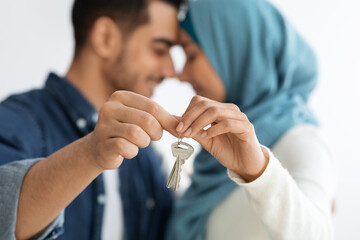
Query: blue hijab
<point x="268" y="71"/>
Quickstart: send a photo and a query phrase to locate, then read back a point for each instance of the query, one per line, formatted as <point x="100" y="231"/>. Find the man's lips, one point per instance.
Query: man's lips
<point x="152" y="83"/>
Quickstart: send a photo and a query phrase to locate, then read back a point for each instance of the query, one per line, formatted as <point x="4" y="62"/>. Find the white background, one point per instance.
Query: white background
<point x="36" y="37"/>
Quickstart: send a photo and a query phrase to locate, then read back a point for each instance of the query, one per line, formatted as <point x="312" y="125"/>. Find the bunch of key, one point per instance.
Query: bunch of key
<point x="181" y="151"/>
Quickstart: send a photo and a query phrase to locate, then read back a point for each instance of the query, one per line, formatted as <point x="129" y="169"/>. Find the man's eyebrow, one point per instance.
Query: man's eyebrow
<point x="165" y="41"/>
<point x="185" y="44"/>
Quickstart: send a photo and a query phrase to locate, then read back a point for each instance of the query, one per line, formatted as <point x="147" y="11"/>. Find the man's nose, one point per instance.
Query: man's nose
<point x="168" y="69"/>
<point x="183" y="76"/>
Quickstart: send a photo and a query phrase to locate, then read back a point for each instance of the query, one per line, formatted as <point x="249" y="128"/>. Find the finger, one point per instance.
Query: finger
<point x="195" y="100"/>
<point x="204" y="141"/>
<point x="192" y="112"/>
<point x="131" y="132"/>
<point x="120" y="148"/>
<point x="197" y="120"/>
<point x="124" y="114"/>
<point x="133" y="100"/>
<point x="243" y="129"/>
<point x="177" y="117"/>
<point x="179" y="135"/>
<point x="212" y="116"/>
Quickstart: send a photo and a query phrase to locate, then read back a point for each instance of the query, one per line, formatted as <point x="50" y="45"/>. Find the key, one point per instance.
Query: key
<point x="182" y="151"/>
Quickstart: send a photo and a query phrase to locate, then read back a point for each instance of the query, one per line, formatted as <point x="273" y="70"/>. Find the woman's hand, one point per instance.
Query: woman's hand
<point x="231" y="138"/>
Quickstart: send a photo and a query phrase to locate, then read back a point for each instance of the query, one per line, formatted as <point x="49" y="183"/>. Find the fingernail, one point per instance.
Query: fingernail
<point x="180" y="126"/>
<point x="188" y="132"/>
<point x="204" y="134"/>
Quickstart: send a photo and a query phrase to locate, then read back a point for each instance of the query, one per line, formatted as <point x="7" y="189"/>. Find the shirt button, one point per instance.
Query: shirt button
<point x="150" y="203"/>
<point x="81" y="123"/>
<point x="101" y="199"/>
<point x="95" y="117"/>
<point x="54" y="235"/>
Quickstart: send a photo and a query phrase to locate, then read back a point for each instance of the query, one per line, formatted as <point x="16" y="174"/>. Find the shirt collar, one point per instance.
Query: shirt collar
<point x="81" y="111"/>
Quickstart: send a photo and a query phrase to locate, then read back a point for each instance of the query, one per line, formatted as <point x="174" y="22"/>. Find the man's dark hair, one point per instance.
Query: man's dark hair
<point x="128" y="14"/>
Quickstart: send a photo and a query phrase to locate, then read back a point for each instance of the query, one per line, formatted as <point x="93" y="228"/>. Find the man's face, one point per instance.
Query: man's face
<point x="144" y="60"/>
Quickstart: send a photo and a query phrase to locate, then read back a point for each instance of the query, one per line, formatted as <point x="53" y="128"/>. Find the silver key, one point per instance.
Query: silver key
<point x="182" y="151"/>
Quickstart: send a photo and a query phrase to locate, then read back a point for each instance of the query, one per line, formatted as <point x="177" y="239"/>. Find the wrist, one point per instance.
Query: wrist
<point x="260" y="166"/>
<point x="89" y="153"/>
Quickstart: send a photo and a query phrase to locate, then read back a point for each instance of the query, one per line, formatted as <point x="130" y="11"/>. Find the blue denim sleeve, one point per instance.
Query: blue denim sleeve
<point x="20" y="134"/>
<point x="11" y="178"/>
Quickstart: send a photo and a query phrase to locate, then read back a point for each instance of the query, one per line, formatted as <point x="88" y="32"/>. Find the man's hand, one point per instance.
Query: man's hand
<point x="231" y="139"/>
<point x="127" y="122"/>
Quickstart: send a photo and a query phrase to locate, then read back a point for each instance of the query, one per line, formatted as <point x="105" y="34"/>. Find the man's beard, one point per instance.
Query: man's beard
<point x="122" y="77"/>
<point x="125" y="76"/>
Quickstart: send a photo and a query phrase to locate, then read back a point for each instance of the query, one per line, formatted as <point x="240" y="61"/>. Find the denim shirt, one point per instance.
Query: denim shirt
<point x="37" y="123"/>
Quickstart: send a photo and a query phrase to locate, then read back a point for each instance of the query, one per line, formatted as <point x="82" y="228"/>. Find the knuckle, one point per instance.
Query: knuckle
<point x="158" y="135"/>
<point x="196" y="99"/>
<point x="99" y="130"/>
<point x="214" y="110"/>
<point x="134" y="132"/>
<point x="132" y="153"/>
<point x="228" y="124"/>
<point x="105" y="110"/>
<point x="153" y="108"/>
<point x="234" y="106"/>
<point x="118" y="95"/>
<point x="147" y="142"/>
<point x="120" y="144"/>
<point x="251" y="127"/>
<point x="243" y="115"/>
<point x="203" y="104"/>
<point x="249" y="132"/>
<point x="148" y="122"/>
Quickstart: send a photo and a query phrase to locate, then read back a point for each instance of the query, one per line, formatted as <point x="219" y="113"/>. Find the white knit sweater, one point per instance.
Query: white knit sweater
<point x="291" y="200"/>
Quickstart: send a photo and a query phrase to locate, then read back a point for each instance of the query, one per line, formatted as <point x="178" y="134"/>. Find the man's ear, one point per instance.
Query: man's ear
<point x="106" y="38"/>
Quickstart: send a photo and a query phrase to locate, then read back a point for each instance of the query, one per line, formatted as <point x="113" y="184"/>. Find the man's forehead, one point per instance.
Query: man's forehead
<point x="165" y="41"/>
<point x="163" y="23"/>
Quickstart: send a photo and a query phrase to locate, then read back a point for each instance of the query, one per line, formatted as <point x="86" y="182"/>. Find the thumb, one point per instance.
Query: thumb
<point x="177" y="117"/>
<point x="170" y="125"/>
<point x="204" y="141"/>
